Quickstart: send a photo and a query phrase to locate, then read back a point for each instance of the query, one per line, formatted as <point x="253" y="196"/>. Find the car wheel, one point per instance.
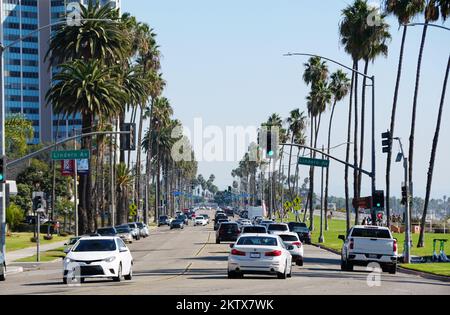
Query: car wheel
<point x="3" y="273"/>
<point x="217" y="241"/>
<point x="82" y="280"/>
<point x="65" y="280"/>
<point x="343" y="265"/>
<point x="393" y="269"/>
<point x="300" y="262"/>
<point x="290" y="272"/>
<point x="119" y="274"/>
<point x="130" y="276"/>
<point x="232" y="275"/>
<point x="283" y="275"/>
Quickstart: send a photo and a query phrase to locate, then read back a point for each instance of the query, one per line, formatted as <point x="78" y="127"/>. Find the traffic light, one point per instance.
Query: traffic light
<point x="378" y="199"/>
<point x="404" y="195"/>
<point x="387" y="142"/>
<point x="272" y="143"/>
<point x="37" y="203"/>
<point x="2" y="169"/>
<point x="128" y="140"/>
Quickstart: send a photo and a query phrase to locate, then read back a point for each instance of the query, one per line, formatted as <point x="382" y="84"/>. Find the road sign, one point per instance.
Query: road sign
<point x="70" y="155"/>
<point x="314" y="162"/>
<point x="297" y="203"/>
<point x="288" y="205"/>
<point x="133" y="209"/>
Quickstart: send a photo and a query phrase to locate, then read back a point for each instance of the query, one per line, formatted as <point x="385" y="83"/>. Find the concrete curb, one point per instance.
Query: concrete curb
<point x="400" y="269"/>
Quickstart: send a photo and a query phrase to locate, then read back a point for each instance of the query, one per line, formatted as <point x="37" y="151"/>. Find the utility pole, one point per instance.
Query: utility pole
<point x="75" y="189"/>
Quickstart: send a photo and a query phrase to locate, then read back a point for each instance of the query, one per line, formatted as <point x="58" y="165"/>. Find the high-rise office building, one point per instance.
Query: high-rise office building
<point x="27" y="76"/>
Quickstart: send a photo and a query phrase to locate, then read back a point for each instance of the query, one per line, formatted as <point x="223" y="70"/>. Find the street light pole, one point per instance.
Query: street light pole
<point x="372" y="79"/>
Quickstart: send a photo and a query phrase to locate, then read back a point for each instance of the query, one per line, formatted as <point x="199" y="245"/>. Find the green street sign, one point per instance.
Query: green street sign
<point x="314" y="162"/>
<point x="70" y="155"/>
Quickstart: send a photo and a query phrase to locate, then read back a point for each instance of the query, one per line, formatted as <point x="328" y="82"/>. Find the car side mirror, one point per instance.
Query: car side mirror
<point x="231" y="246"/>
<point x="123" y="250"/>
<point x="342" y="237"/>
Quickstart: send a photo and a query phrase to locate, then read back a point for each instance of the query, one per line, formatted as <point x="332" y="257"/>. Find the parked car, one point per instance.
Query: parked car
<point x="227" y="232"/>
<point x="109" y="231"/>
<point x="177" y="224"/>
<point x="277" y="228"/>
<point x="219" y="222"/>
<point x="143" y="229"/>
<point x="291" y="240"/>
<point x="98" y="257"/>
<point x="302" y="231"/>
<point x="163" y="220"/>
<point x="254" y="229"/>
<point x="369" y="244"/>
<point x="2" y="267"/>
<point x="125" y="233"/>
<point x="200" y="220"/>
<point x="135" y="231"/>
<point x="68" y="246"/>
<point x="259" y="254"/>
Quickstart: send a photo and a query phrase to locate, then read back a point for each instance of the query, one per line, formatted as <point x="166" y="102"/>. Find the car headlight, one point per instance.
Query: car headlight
<point x="109" y="260"/>
<point x="68" y="260"/>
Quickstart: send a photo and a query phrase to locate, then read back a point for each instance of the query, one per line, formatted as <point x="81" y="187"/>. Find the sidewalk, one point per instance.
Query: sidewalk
<point x="11" y="257"/>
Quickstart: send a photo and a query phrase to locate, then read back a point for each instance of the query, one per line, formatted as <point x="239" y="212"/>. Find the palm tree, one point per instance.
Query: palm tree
<point x="352" y="32"/>
<point x="96" y="38"/>
<point x="421" y="242"/>
<point x="297" y="125"/>
<point x="375" y="45"/>
<point x="340" y="86"/>
<point x="431" y="13"/>
<point x="124" y="181"/>
<point x="92" y="89"/>
<point x="405" y="11"/>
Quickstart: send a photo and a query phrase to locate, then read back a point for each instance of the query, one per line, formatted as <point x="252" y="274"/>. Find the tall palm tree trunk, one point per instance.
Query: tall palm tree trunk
<point x="414" y="112"/>
<point x="347" y="155"/>
<point x="85" y="186"/>
<point x="394" y="112"/>
<point x="289" y="168"/>
<point x="355" y="146"/>
<point x="421" y="242"/>
<point x="138" y="158"/>
<point x="311" y="180"/>
<point x="327" y="176"/>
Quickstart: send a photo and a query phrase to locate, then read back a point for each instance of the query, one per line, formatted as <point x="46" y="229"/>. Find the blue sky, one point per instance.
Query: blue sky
<point x="223" y="62"/>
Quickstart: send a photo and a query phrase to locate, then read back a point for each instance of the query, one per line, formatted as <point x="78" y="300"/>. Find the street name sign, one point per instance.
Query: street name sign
<point x="70" y="155"/>
<point x="314" y="162"/>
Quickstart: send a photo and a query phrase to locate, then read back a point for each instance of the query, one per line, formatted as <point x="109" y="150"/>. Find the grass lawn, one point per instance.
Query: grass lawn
<point x="23" y="240"/>
<point x="442" y="269"/>
<point x="46" y="256"/>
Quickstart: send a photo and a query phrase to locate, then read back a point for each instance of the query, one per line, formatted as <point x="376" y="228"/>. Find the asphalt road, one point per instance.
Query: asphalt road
<point x="189" y="262"/>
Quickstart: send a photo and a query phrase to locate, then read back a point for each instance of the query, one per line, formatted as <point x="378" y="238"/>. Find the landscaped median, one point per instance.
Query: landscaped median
<point x="338" y="227"/>
<point x="48" y="256"/>
<point x="18" y="241"/>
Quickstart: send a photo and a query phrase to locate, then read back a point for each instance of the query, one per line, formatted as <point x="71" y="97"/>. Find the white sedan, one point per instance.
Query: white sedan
<point x="200" y="220"/>
<point x="292" y="241"/>
<point x="259" y="254"/>
<point x="98" y="257"/>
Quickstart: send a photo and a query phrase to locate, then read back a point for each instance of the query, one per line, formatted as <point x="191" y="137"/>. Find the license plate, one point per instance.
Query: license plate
<point x="373" y="256"/>
<point x="255" y="255"/>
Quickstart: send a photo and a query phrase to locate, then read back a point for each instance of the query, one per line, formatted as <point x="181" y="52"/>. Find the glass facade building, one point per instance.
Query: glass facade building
<point x="27" y="75"/>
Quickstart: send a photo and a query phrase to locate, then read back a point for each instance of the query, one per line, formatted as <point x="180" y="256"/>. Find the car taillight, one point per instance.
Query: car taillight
<point x="275" y="253"/>
<point x="352" y="244"/>
<point x="395" y="246"/>
<point x="299" y="244"/>
<point x="236" y="252"/>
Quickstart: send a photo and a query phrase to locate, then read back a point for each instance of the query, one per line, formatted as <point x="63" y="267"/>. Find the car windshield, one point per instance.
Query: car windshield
<point x="289" y="238"/>
<point x="371" y="233"/>
<point x="140" y="225"/>
<point x="299" y="229"/>
<point x="295" y="225"/>
<point x="199" y="218"/>
<point x="177" y="221"/>
<point x="95" y="246"/>
<point x="133" y="226"/>
<point x="162" y="218"/>
<point x="254" y="229"/>
<point x="123" y="229"/>
<point x="278" y="227"/>
<point x="257" y="241"/>
<point x="109" y="231"/>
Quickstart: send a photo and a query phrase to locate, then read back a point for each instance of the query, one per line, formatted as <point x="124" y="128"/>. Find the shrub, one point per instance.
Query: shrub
<point x="48" y="237"/>
<point x="14" y="215"/>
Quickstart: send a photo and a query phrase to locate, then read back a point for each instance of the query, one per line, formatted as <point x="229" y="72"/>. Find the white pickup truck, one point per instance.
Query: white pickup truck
<point x="369" y="244"/>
